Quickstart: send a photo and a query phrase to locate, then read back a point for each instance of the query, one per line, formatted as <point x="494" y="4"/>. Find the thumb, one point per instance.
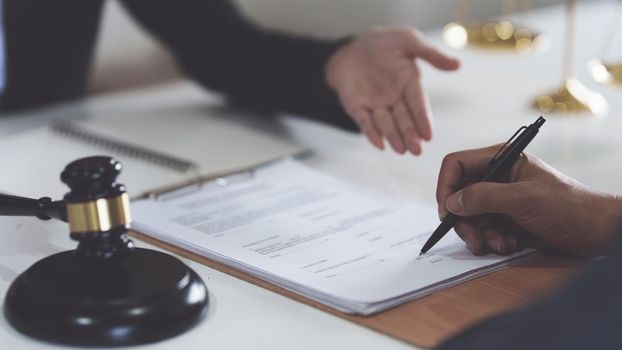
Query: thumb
<point x="434" y="56"/>
<point x="486" y="198"/>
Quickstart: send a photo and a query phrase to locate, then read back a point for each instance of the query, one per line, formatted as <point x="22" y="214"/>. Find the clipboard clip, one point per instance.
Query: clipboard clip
<point x="197" y="182"/>
<point x="224" y="180"/>
<point x="505" y="145"/>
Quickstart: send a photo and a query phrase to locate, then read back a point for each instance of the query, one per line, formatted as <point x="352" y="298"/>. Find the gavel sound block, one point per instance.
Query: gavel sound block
<point x="106" y="292"/>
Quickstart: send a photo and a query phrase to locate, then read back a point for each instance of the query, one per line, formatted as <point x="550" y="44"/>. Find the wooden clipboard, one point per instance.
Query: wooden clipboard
<point x="427" y="321"/>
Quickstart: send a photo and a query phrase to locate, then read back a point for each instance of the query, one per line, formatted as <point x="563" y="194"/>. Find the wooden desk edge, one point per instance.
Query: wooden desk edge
<point x="425" y="322"/>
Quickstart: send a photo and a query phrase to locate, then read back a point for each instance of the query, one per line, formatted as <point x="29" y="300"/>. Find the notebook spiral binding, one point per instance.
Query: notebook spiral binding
<point x="74" y="131"/>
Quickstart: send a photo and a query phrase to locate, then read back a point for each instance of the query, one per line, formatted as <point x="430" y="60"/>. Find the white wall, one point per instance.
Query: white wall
<point x="127" y="57"/>
<point x="337" y="17"/>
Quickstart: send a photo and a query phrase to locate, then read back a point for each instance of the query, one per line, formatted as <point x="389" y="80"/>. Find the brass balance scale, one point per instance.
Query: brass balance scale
<point x="503" y="35"/>
<point x="499" y="35"/>
<point x="605" y="70"/>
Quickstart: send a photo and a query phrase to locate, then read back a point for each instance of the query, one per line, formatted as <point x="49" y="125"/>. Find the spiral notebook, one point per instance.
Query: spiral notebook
<point x="158" y="150"/>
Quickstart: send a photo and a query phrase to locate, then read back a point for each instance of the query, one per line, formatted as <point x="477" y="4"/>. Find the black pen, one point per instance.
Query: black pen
<point x="501" y="161"/>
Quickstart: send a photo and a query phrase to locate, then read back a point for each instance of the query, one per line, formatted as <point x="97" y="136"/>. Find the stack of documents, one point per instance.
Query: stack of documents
<point x="347" y="247"/>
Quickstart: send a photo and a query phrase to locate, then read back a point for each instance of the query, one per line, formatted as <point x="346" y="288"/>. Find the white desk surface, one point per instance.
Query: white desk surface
<point x="482" y="104"/>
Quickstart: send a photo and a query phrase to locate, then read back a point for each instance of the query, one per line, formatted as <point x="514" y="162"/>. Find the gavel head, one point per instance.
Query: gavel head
<point x="98" y="209"/>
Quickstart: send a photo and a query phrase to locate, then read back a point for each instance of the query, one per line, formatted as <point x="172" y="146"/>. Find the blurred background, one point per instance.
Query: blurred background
<point x="126" y="57"/>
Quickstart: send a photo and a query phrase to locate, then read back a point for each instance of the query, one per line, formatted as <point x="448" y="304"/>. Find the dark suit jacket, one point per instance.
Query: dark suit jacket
<point x="49" y="46"/>
<point x="587" y="314"/>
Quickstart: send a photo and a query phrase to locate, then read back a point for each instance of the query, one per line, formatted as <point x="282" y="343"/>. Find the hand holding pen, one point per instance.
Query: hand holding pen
<point x="531" y="204"/>
<point x="500" y="162"/>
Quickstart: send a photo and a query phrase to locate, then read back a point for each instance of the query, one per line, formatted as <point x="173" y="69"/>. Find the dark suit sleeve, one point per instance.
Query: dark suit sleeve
<point x="587" y="314"/>
<point x="259" y="69"/>
<point x="48" y="46"/>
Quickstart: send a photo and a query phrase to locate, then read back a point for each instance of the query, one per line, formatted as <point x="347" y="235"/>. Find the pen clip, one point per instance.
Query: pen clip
<point x="494" y="158"/>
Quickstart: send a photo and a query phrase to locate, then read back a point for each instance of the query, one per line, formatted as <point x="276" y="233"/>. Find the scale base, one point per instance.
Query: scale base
<point x="148" y="297"/>
<point x="606" y="72"/>
<point x="572" y="98"/>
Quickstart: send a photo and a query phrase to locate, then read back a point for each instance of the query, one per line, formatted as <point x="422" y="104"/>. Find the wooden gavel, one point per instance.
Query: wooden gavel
<point x="106" y="292"/>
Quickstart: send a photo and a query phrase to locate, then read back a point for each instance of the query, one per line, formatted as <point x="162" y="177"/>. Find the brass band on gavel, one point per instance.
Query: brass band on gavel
<point x="99" y="215"/>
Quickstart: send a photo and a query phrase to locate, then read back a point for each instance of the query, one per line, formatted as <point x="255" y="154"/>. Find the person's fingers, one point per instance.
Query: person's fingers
<point x="472" y="237"/>
<point x="501" y="234"/>
<point x="363" y="118"/>
<point x="490" y="198"/>
<point x="419" y="107"/>
<point x="512" y="231"/>
<point x="407" y="127"/>
<point x="385" y="123"/>
<point x="457" y="168"/>
<point x="368" y="127"/>
<point x="420" y="47"/>
<point x="521" y="237"/>
<point x="496" y="241"/>
<point x="438" y="58"/>
<point x="514" y="243"/>
<point x="483" y="235"/>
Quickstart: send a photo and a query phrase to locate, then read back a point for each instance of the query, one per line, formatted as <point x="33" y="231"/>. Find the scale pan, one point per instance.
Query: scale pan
<point x="605" y="73"/>
<point x="500" y="35"/>
<point x="573" y="97"/>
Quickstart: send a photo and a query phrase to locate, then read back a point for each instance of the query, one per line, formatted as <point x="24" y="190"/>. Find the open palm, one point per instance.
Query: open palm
<point x="378" y="82"/>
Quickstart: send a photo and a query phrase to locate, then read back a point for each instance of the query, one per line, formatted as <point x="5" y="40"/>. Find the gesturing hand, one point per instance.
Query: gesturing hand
<point x="534" y="201"/>
<point x="378" y="82"/>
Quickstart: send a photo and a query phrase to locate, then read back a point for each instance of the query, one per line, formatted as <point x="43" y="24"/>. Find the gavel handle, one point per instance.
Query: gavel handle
<point x="43" y="208"/>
